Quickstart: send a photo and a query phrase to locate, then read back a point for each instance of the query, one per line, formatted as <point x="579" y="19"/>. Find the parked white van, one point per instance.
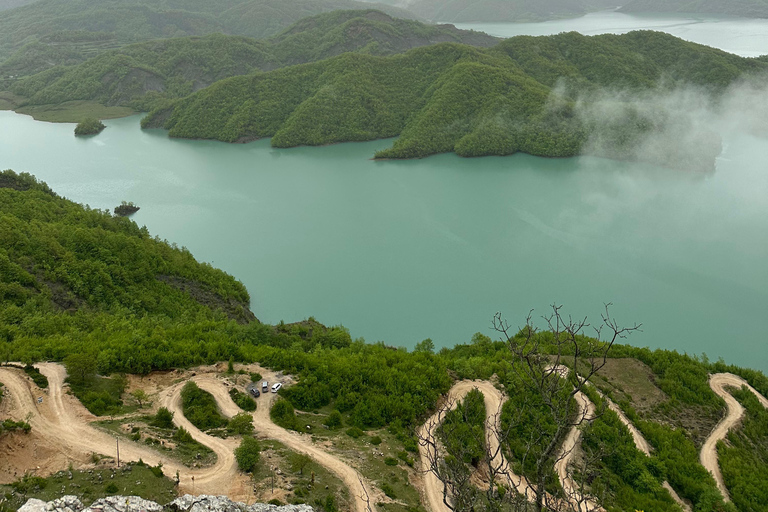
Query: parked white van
<point x="264" y="387"/>
<point x="276" y="387"/>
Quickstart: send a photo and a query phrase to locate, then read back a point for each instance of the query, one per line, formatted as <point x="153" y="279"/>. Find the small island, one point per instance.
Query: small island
<point x="125" y="209"/>
<point x="89" y="126"/>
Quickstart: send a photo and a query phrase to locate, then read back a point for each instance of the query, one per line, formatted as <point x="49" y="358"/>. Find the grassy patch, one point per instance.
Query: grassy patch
<point x="311" y="484"/>
<point x="90" y="485"/>
<point x="74" y="111"/>
<point x="190" y="453"/>
<point x="8" y="100"/>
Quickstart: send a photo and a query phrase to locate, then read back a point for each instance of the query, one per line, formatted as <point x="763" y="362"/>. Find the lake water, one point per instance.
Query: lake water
<point x="402" y="251"/>
<point x="742" y="36"/>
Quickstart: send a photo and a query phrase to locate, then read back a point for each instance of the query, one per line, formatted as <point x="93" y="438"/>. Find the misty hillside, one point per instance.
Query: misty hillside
<point x="10" y="4"/>
<point x="745" y="8"/>
<point x="129" y="21"/>
<point x="473" y="101"/>
<point x="138" y="74"/>
<point x="458" y="11"/>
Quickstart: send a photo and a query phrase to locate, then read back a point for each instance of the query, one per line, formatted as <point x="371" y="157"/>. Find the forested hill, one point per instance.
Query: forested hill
<point x="473" y="101"/>
<point x="456" y="11"/>
<point x="745" y="8"/>
<point x="57" y="256"/>
<point x="140" y="74"/>
<point x="68" y="22"/>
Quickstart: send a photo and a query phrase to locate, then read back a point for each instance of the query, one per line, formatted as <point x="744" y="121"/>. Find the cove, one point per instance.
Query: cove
<point x="404" y="250"/>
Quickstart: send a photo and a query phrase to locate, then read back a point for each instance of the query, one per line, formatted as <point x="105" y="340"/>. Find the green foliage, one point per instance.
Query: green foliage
<point x="111" y="488"/>
<point x="100" y="395"/>
<point x="451" y="97"/>
<point x="282" y="414"/>
<point x="744" y="459"/>
<point x="387" y="489"/>
<point x="255" y="377"/>
<point x="89" y="126"/>
<point x="38" y="378"/>
<point x="375" y="440"/>
<point x="200" y="408"/>
<point x="390" y="461"/>
<point x="241" y="424"/>
<point x="355" y="432"/>
<point x="243" y="400"/>
<point x="163" y="418"/>
<point x="334" y="420"/>
<point x="247" y="454"/>
<point x="29" y="483"/>
<point x="463" y="430"/>
<point x="183" y="436"/>
<point x="299" y="461"/>
<point x="9" y="425"/>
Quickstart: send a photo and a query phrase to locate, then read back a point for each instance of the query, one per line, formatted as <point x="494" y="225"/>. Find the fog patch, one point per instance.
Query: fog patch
<point x="680" y="128"/>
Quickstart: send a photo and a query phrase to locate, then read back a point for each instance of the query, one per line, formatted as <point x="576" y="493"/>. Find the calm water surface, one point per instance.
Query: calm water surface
<point x="742" y="36"/>
<point x="402" y="251"/>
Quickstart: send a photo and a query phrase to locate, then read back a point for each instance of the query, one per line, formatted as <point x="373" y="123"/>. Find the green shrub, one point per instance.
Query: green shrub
<point x="242" y="400"/>
<point x="247" y="454"/>
<point x="111" y="488"/>
<point x="183" y="436"/>
<point x="388" y="490"/>
<point x="282" y="414"/>
<point x="355" y="432"/>
<point x="390" y="461"/>
<point x="38" y="378"/>
<point x="163" y="418"/>
<point x="276" y="502"/>
<point x="333" y="421"/>
<point x="375" y="440"/>
<point x="200" y="408"/>
<point x="255" y="377"/>
<point x="241" y="424"/>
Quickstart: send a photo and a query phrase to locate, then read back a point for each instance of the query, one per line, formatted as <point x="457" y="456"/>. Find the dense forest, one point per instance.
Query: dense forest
<point x="745" y="8"/>
<point x="78" y="283"/>
<point x="520" y="95"/>
<point x="143" y="74"/>
<point x="67" y="31"/>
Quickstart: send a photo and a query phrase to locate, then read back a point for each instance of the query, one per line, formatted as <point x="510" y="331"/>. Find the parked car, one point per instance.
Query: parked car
<point x="264" y="387"/>
<point x="276" y="387"/>
<point x="255" y="392"/>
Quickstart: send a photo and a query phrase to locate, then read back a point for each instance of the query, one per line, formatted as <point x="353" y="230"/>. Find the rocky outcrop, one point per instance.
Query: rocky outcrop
<point x="186" y="503"/>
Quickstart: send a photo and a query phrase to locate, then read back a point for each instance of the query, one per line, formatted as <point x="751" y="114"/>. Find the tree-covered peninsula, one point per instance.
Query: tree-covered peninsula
<point x="96" y="291"/>
<point x="144" y="74"/>
<point x="527" y="94"/>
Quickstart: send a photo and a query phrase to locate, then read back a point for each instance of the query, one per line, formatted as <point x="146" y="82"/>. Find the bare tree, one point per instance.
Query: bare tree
<point x="542" y="359"/>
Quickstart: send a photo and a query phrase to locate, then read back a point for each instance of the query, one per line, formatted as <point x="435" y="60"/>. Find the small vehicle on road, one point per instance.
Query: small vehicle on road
<point x="276" y="387"/>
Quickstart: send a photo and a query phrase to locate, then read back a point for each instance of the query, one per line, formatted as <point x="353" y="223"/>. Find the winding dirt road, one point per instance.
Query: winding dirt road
<point x="64" y="422"/>
<point x="708" y="456"/>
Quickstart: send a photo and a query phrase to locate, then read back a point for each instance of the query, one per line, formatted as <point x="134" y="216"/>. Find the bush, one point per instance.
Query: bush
<point x="282" y="414"/>
<point x="334" y="420"/>
<point x="276" y="502"/>
<point x="375" y="440"/>
<point x="38" y="378"/>
<point x="111" y="488"/>
<point x="242" y="400"/>
<point x="163" y="418"/>
<point x="388" y="490"/>
<point x="182" y="436"/>
<point x="255" y="377"/>
<point x="9" y="425"/>
<point x="157" y="470"/>
<point x="247" y="454"/>
<point x="29" y="483"/>
<point x="390" y="461"/>
<point x="241" y="424"/>
<point x="200" y="408"/>
<point x="355" y="432"/>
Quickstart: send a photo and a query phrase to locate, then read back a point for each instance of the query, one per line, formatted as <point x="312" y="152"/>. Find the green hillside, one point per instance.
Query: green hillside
<point x="462" y="11"/>
<point x="473" y="101"/>
<point x="79" y="281"/>
<point x="745" y="8"/>
<point x="129" y="21"/>
<point x="57" y="256"/>
<point x="141" y="74"/>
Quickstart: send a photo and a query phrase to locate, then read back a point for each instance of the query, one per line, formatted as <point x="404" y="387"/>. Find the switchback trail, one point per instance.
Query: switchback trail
<point x="708" y="456"/>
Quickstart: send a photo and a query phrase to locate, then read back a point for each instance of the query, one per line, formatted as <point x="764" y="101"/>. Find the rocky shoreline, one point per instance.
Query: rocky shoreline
<point x="186" y="503"/>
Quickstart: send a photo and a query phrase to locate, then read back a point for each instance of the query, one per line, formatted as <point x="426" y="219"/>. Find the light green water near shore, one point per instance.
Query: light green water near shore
<point x="401" y="251"/>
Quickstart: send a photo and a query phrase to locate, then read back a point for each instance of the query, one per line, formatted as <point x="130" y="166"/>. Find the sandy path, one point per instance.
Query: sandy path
<point x="302" y="443"/>
<point x="63" y="421"/>
<point x="708" y="456"/>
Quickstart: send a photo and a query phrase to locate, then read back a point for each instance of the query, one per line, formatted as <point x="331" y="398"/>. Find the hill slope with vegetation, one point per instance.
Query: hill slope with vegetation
<point x="462" y="11"/>
<point x="520" y="95"/>
<point x="745" y="8"/>
<point x="140" y="74"/>
<point x="79" y="281"/>
<point x="67" y="22"/>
